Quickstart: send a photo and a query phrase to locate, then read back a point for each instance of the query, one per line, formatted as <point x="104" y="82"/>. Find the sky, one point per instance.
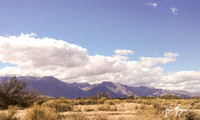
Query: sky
<point x="134" y="42"/>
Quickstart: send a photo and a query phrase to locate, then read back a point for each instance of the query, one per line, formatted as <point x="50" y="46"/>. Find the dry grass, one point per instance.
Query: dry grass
<point x="9" y="114"/>
<point x="41" y="113"/>
<point x="104" y="109"/>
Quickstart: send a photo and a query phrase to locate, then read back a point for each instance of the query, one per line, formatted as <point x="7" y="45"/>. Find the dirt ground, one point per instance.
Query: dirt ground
<point x="112" y="112"/>
<point x="123" y="110"/>
<point x="120" y="111"/>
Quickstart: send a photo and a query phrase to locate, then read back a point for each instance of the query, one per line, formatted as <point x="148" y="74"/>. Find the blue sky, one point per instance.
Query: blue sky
<point x="147" y="27"/>
<point x="102" y="26"/>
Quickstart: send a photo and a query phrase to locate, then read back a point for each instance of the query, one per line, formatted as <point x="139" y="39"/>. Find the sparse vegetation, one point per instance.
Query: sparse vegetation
<point x="14" y="92"/>
<point x="89" y="109"/>
<point x="10" y="114"/>
<point x="41" y="113"/>
<point x="60" y="105"/>
<point x="98" y="107"/>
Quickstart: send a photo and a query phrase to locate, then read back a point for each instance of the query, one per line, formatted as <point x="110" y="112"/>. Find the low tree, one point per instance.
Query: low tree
<point x="170" y="97"/>
<point x="99" y="95"/>
<point x="132" y="96"/>
<point x="14" y="92"/>
<point x="144" y="97"/>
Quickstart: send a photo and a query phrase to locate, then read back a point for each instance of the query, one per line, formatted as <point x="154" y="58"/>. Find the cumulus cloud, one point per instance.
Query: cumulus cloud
<point x="47" y="56"/>
<point x="174" y="10"/>
<point x="154" y="5"/>
<point x="152" y="62"/>
<point x="123" y="52"/>
<point x="185" y="80"/>
<point x="28" y="51"/>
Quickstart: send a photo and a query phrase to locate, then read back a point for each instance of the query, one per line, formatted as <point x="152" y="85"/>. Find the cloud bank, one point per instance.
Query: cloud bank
<point x="71" y="63"/>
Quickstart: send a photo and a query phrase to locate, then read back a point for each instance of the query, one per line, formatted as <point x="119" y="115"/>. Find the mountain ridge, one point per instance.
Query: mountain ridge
<point x="53" y="87"/>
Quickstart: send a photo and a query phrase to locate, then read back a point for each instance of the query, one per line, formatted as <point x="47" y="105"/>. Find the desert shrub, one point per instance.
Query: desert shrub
<point x="41" y="113"/>
<point x="107" y="106"/>
<point x="198" y="106"/>
<point x="58" y="105"/>
<point x="99" y="95"/>
<point x="159" y="107"/>
<point x="170" y="97"/>
<point x="179" y="102"/>
<point x="86" y="101"/>
<point x="143" y="107"/>
<point x="130" y="100"/>
<point x="89" y="109"/>
<point x="100" y="117"/>
<point x="117" y="101"/>
<point x="104" y="108"/>
<point x="144" y="97"/>
<point x="10" y="115"/>
<point x="139" y="101"/>
<point x="195" y="102"/>
<point x="90" y="101"/>
<point x="78" y="102"/>
<point x="76" y="116"/>
<point x="101" y="100"/>
<point x="14" y="92"/>
<point x="113" y="108"/>
<point x="136" y="107"/>
<point x="192" y="116"/>
<point x="101" y="108"/>
<point x="110" y="102"/>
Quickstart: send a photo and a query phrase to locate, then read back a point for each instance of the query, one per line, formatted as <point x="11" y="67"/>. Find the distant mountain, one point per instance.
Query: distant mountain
<point x="51" y="86"/>
<point x="114" y="89"/>
<point x="150" y="91"/>
<point x="196" y="93"/>
<point x="119" y="90"/>
<point x="84" y="86"/>
<point x="55" y="88"/>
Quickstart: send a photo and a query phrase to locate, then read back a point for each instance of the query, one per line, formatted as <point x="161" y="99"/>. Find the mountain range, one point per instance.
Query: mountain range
<point x="53" y="87"/>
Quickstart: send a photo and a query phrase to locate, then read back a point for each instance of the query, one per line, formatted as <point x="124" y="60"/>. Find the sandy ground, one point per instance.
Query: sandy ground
<point x="125" y="110"/>
<point x="121" y="111"/>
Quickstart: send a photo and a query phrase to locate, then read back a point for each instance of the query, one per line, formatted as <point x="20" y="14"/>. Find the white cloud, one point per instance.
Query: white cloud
<point x="174" y="10"/>
<point x="152" y="62"/>
<point x="69" y="62"/>
<point x="154" y="5"/>
<point x="28" y="51"/>
<point x="123" y="52"/>
<point x="186" y="80"/>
